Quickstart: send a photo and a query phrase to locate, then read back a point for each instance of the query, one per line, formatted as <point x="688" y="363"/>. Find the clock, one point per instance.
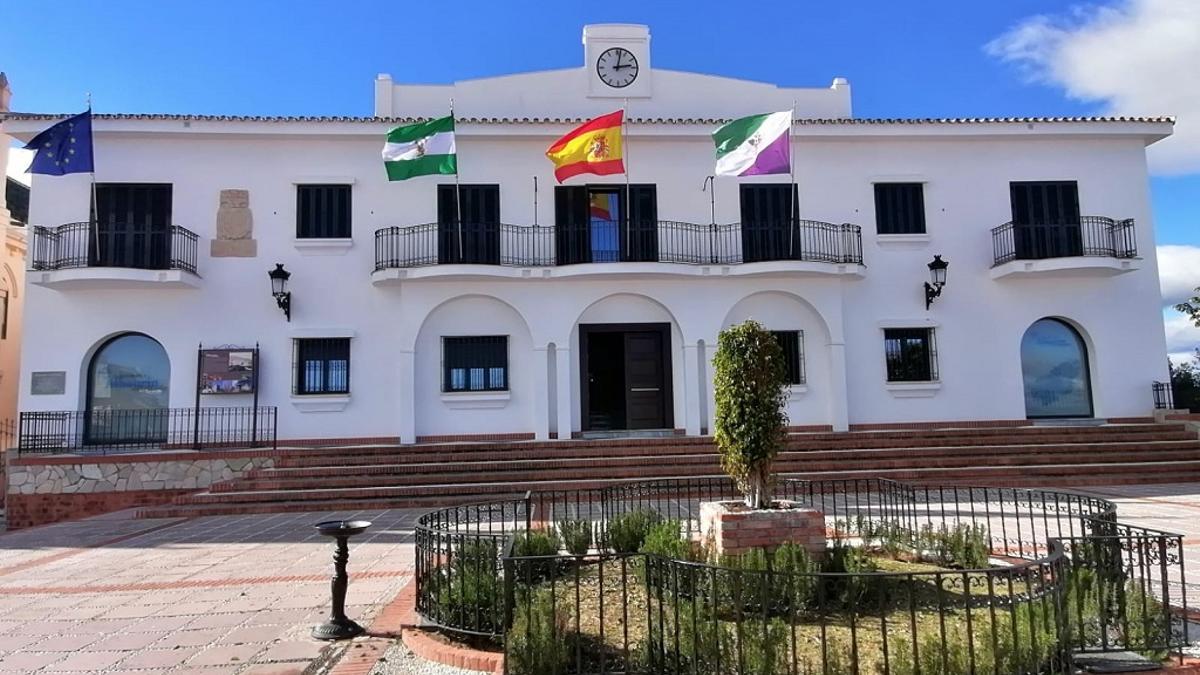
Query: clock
<point x="617" y="67"/>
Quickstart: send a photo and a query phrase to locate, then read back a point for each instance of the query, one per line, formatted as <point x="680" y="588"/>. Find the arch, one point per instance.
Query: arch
<point x="1056" y="370"/>
<point x="508" y="408"/>
<point x="758" y="304"/>
<point x="128" y="389"/>
<point x="606" y="309"/>
<point x="414" y="336"/>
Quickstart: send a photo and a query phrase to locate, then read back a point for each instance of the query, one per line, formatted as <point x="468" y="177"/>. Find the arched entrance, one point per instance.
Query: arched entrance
<point x="1054" y="364"/>
<point x="128" y="391"/>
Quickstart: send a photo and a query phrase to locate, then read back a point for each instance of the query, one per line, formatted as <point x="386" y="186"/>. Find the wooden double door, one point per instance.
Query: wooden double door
<point x="626" y="376"/>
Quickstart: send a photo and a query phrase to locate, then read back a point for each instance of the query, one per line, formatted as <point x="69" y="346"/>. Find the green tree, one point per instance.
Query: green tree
<point x="1185" y="383"/>
<point x="751" y="422"/>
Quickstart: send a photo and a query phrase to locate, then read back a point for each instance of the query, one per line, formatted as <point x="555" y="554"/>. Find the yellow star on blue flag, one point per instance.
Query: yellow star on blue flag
<point x="64" y="148"/>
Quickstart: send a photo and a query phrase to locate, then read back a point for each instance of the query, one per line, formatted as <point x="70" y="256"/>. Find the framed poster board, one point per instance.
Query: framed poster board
<point x="228" y="371"/>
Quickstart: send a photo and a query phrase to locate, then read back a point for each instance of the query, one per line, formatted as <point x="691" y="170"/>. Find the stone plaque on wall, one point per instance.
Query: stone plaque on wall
<point x="48" y="382"/>
<point x="235" y="226"/>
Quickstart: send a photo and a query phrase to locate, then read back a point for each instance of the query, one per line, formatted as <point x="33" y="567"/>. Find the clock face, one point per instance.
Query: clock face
<point x="617" y="67"/>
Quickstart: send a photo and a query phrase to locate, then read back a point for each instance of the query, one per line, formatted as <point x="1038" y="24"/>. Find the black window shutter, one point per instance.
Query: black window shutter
<point x="642" y="243"/>
<point x="766" y="226"/>
<point x="571" y="243"/>
<point x="323" y="212"/>
<point x="899" y="208"/>
<point x="1045" y="218"/>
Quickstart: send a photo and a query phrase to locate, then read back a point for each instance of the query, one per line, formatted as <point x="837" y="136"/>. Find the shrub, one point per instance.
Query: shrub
<point x="538" y="643"/>
<point x="891" y="539"/>
<point x="576" y="535"/>
<point x="666" y="541"/>
<point x="843" y="591"/>
<point x="780" y="582"/>
<point x="751" y="393"/>
<point x="469" y="591"/>
<point x="764" y="647"/>
<point x="627" y="532"/>
<point x="964" y="546"/>
<point x="542" y="546"/>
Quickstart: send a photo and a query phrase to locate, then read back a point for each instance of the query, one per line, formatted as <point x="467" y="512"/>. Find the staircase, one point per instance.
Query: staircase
<point x="377" y="477"/>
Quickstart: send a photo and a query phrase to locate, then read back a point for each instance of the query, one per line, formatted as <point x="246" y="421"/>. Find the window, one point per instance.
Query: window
<point x="322" y="366"/>
<point x="792" y="342"/>
<point x="323" y="212"/>
<point x="475" y="363"/>
<point x="767" y="228"/>
<point x="3" y="313"/>
<point x="133" y="227"/>
<point x="911" y="355"/>
<point x="899" y="208"/>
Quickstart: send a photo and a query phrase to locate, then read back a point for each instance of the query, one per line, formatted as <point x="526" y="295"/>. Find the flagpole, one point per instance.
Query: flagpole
<point x="792" y="194"/>
<point x="710" y="185"/>
<point x="625" y="160"/>
<point x="535" y="196"/>
<point x="457" y="192"/>
<point x="94" y="215"/>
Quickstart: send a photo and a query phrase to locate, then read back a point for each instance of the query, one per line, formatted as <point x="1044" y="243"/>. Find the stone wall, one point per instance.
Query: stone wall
<point x="49" y="489"/>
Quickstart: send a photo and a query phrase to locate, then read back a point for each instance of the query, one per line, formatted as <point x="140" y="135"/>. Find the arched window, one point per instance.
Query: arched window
<point x="128" y="377"/>
<point x="1054" y="364"/>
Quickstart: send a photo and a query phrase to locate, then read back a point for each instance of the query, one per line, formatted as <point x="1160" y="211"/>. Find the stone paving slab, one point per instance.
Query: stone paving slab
<point x="230" y="594"/>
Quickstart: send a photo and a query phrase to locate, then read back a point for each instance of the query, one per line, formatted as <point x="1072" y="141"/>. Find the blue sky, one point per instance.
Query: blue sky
<point x="931" y="58"/>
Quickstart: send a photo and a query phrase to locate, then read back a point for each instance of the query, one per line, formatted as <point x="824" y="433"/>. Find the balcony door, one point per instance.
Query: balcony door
<point x="604" y="223"/>
<point x="132" y="226"/>
<point x="768" y="231"/>
<point x="475" y="239"/>
<point x="1045" y="217"/>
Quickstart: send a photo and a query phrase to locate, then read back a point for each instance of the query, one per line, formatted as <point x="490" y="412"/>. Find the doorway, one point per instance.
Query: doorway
<point x="626" y="376"/>
<point x="1054" y="366"/>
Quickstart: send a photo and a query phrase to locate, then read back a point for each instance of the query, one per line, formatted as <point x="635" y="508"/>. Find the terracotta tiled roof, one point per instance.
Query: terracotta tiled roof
<point x="575" y="120"/>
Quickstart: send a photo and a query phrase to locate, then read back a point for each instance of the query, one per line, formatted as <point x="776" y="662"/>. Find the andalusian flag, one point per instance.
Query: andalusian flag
<point x="755" y="146"/>
<point x="421" y="149"/>
<point x="594" y="147"/>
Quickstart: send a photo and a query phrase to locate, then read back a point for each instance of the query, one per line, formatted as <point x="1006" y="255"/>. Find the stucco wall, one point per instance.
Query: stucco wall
<point x="979" y="319"/>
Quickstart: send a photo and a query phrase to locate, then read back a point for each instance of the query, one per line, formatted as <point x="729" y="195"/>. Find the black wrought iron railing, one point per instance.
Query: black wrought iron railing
<point x="1091" y="236"/>
<point x="115" y="431"/>
<point x="611" y="241"/>
<point x="151" y="247"/>
<point x="1164" y="396"/>
<point x="988" y="580"/>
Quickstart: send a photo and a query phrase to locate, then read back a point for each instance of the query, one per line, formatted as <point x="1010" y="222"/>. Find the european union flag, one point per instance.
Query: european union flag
<point x="64" y="148"/>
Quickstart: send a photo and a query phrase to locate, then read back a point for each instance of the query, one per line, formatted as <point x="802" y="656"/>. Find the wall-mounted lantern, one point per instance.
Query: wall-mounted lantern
<point x="937" y="279"/>
<point x="283" y="297"/>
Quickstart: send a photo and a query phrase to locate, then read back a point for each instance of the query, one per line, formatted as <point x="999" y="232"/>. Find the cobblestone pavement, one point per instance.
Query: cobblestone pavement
<point x="233" y="594"/>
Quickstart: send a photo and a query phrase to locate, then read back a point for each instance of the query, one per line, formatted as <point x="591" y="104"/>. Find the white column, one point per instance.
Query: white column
<point x="710" y="391"/>
<point x="839" y="402"/>
<point x="691" y="388"/>
<point x="406" y="393"/>
<point x="562" y="371"/>
<point x="541" y="393"/>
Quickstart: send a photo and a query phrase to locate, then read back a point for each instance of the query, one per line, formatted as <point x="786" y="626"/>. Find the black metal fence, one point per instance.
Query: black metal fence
<point x="1164" y="396"/>
<point x="609" y="241"/>
<point x="1050" y="575"/>
<point x="1091" y="236"/>
<point x="154" y="247"/>
<point x="116" y="431"/>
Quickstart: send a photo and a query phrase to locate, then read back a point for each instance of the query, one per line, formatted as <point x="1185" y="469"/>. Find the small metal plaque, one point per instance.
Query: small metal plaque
<point x="48" y="382"/>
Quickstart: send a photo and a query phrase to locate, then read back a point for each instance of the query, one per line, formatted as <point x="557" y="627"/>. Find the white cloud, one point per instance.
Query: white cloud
<point x="1183" y="337"/>
<point x="1134" y="57"/>
<point x="1178" y="272"/>
<point x="18" y="162"/>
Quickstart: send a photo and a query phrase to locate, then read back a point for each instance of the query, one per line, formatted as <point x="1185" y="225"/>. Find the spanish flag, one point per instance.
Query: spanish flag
<point x="594" y="147"/>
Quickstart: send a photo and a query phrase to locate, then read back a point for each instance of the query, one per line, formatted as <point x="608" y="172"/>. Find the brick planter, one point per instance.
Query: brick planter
<point x="732" y="527"/>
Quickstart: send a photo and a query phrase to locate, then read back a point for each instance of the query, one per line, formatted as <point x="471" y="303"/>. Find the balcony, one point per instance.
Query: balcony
<point x="1095" y="246"/>
<point x="591" y="249"/>
<point x="92" y="255"/>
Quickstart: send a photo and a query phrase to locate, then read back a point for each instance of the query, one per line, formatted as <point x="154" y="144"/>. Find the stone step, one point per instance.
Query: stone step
<point x="385" y="465"/>
<point x="448" y="499"/>
<point x="421" y="454"/>
<point x="653" y="466"/>
<point x="956" y="473"/>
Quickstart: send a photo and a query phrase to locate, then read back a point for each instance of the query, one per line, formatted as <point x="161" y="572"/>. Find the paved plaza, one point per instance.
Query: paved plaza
<point x="239" y="594"/>
<point x="234" y="594"/>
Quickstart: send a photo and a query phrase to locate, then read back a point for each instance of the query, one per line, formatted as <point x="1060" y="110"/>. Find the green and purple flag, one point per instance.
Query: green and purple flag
<point x="755" y="146"/>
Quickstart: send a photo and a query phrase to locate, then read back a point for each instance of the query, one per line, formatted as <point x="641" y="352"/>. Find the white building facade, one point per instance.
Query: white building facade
<point x="546" y="311"/>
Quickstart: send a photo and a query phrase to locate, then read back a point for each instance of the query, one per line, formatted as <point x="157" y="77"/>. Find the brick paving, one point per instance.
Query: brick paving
<point x="229" y="595"/>
<point x="239" y="594"/>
